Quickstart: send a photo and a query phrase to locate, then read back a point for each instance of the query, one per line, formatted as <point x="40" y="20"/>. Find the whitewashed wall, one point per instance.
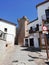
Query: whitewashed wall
<point x="11" y="31"/>
<point x="41" y="11"/>
<point x="35" y="36"/>
<point x="2" y="50"/>
<point x="33" y="24"/>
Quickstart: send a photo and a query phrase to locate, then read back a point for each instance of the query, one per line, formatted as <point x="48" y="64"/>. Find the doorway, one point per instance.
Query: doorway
<point x="26" y="42"/>
<point x="31" y="42"/>
<point x="47" y="36"/>
<point x="39" y="41"/>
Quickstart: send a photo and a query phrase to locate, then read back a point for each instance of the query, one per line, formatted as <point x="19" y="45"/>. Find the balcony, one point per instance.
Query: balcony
<point x="45" y="21"/>
<point x="2" y="35"/>
<point x="32" y="31"/>
<point x="43" y="17"/>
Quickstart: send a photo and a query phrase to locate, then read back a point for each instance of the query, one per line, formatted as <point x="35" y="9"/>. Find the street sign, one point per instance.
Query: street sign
<point x="44" y="28"/>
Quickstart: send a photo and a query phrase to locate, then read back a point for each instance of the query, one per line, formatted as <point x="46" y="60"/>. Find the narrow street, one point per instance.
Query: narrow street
<point x="19" y="56"/>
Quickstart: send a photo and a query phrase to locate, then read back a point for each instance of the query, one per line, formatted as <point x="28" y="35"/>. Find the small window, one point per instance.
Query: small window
<point x="30" y="28"/>
<point x="5" y="29"/>
<point x="37" y="27"/>
<point x="47" y="13"/>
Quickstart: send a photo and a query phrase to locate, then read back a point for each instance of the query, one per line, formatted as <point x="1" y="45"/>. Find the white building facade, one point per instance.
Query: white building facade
<point x="33" y="39"/>
<point x="7" y="31"/>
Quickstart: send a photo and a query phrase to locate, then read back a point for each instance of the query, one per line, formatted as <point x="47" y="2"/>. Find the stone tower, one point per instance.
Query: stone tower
<point x="22" y="29"/>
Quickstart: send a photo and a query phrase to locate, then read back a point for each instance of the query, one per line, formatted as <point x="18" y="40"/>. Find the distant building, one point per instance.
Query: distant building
<point x="22" y="29"/>
<point x="7" y="31"/>
<point x="36" y="37"/>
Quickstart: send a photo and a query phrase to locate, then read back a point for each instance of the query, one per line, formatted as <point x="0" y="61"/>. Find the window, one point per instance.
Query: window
<point x="5" y="29"/>
<point x="37" y="27"/>
<point x="47" y="15"/>
<point x="30" y="28"/>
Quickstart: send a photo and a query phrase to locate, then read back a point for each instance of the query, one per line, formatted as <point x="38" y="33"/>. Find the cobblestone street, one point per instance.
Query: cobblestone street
<point x="19" y="56"/>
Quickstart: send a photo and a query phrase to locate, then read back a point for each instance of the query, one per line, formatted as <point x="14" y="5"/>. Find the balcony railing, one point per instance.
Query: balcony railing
<point x="35" y="29"/>
<point x="43" y="17"/>
<point x="32" y="31"/>
<point x="46" y="21"/>
<point x="2" y="35"/>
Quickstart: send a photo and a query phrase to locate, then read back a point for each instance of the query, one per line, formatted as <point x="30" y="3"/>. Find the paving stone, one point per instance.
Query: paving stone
<point x="15" y="56"/>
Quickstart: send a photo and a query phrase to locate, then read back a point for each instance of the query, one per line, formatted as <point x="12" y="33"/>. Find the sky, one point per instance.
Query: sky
<point x="11" y="10"/>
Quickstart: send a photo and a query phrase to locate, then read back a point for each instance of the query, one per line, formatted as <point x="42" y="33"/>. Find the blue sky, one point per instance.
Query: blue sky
<point x="12" y="9"/>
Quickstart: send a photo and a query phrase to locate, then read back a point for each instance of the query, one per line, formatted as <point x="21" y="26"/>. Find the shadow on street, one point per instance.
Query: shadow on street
<point x="31" y="49"/>
<point x="47" y="63"/>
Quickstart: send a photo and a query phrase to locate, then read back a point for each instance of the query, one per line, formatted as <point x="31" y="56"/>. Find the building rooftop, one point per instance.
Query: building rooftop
<point x="42" y="3"/>
<point x="7" y="21"/>
<point x="33" y="20"/>
<point x="24" y="17"/>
